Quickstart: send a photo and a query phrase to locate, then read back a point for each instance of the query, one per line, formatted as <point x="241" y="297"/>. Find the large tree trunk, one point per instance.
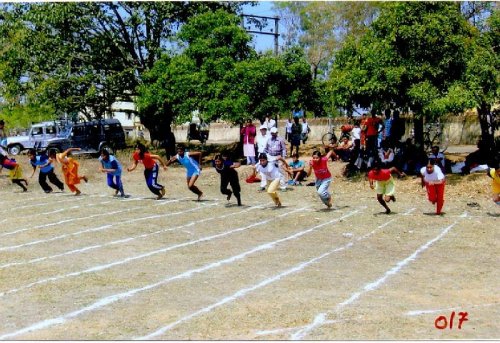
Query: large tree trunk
<point x="486" y="121"/>
<point x="418" y="129"/>
<point x="160" y="131"/>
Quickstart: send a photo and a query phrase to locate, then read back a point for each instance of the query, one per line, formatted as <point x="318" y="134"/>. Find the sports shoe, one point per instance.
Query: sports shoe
<point x="162" y="191"/>
<point x="291" y="182"/>
<point x="261" y="189"/>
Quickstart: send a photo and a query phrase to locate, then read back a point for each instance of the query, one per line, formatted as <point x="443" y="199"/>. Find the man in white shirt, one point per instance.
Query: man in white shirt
<point x="305" y="130"/>
<point x="269" y="122"/>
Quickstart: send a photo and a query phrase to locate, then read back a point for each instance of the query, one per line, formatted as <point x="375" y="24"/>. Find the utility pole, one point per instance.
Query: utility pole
<point x="259" y="25"/>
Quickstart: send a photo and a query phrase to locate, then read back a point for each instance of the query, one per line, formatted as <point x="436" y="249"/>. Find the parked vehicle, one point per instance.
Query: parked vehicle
<point x="38" y="136"/>
<point x="90" y="136"/>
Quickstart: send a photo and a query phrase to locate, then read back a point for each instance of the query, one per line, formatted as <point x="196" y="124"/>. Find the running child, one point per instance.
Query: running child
<point x="46" y="171"/>
<point x="228" y="175"/>
<point x="69" y="168"/>
<point x="113" y="168"/>
<point x="494" y="174"/>
<point x="272" y="174"/>
<point x="193" y="169"/>
<point x="15" y="170"/>
<point x="434" y="180"/>
<point x="319" y="164"/>
<point x="150" y="168"/>
<point x="384" y="183"/>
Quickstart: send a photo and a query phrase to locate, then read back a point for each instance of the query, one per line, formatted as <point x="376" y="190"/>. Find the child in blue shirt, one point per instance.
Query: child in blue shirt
<point x="113" y="168"/>
<point x="46" y="170"/>
<point x="193" y="169"/>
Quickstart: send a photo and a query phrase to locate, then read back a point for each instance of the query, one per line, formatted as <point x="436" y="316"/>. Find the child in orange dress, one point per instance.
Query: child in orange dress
<point x="69" y="169"/>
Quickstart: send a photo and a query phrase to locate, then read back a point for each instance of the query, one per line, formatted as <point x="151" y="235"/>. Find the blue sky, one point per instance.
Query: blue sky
<point x="263" y="8"/>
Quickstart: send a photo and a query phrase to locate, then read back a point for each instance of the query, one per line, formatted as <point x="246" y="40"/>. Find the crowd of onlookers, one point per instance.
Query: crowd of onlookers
<point x="367" y="139"/>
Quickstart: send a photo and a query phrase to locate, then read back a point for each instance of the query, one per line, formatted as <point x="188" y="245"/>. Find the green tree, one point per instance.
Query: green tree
<point x="413" y="57"/>
<point x="83" y="55"/>
<point x="220" y="75"/>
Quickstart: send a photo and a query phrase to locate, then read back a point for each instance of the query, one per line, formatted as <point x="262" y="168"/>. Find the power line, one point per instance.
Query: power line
<point x="257" y="24"/>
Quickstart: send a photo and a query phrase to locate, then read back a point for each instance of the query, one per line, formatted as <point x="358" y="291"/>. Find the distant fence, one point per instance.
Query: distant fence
<point x="460" y="130"/>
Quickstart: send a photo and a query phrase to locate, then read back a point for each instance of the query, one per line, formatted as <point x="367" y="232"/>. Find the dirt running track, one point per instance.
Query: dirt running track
<point x="96" y="267"/>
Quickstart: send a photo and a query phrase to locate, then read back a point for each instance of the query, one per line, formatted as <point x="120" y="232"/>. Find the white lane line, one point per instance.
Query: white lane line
<point x="85" y="218"/>
<point x="123" y="261"/>
<point x="119" y="241"/>
<point x="441" y="310"/>
<point x="320" y="319"/>
<point x="116" y="297"/>
<point x="99" y="228"/>
<point x="242" y="292"/>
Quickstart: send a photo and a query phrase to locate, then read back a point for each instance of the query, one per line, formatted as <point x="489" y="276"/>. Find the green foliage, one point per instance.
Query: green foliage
<point x="221" y="76"/>
<point x="413" y="56"/>
<point x="22" y="116"/>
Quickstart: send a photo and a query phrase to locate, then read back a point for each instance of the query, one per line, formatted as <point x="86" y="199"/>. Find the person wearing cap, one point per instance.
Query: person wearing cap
<point x="275" y="148"/>
<point x="273" y="175"/>
<point x="261" y="140"/>
<point x="269" y="122"/>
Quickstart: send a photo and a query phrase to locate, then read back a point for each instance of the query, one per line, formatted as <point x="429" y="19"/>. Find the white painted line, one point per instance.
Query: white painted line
<point x="241" y="293"/>
<point x="99" y="228"/>
<point x="116" y="297"/>
<point x="85" y="218"/>
<point x="320" y="319"/>
<point x="441" y="310"/>
<point x="127" y="239"/>
<point x="134" y="258"/>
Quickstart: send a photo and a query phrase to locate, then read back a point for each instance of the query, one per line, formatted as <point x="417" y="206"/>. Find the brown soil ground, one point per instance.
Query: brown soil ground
<point x="96" y="267"/>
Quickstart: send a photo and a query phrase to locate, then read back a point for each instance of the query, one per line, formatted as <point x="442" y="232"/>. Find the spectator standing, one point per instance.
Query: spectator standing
<point x="3" y="134"/>
<point x="434" y="180"/>
<point x="275" y="148"/>
<point x="269" y="122"/>
<point x="305" y="130"/>
<point x="296" y="135"/>
<point x="397" y="128"/>
<point x="373" y="126"/>
<point x="356" y="131"/>
<point x="388" y="126"/>
<point x="288" y="128"/>
<point x="249" y="132"/>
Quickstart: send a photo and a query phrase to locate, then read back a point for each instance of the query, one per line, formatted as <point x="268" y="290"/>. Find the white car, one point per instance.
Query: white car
<point x="37" y="136"/>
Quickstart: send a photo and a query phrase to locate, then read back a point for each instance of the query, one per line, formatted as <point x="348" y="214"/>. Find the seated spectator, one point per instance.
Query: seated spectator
<point x="483" y="155"/>
<point x="351" y="168"/>
<point x="437" y="157"/>
<point x="414" y="158"/>
<point x="296" y="171"/>
<point x="332" y="145"/>
<point x="386" y="154"/>
<point x="343" y="150"/>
